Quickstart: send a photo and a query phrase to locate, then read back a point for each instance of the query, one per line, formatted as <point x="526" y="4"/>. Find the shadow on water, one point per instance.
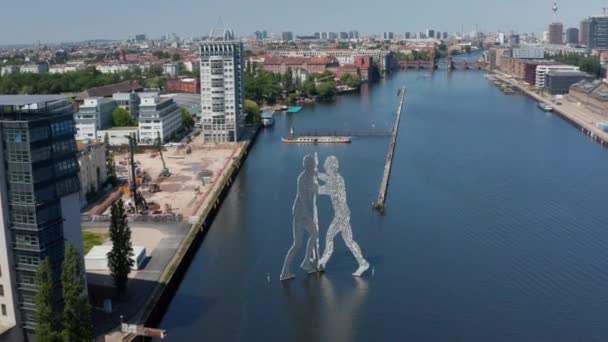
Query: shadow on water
<point x="320" y="313"/>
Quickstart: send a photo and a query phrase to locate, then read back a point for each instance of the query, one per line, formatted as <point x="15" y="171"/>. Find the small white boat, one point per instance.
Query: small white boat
<point x="267" y="119"/>
<point x="545" y="107"/>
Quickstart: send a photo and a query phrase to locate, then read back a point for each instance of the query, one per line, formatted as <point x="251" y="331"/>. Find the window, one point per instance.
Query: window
<point x="18" y="157"/>
<point x="29" y="260"/>
<point x="20" y="177"/>
<point x="27" y="279"/>
<point x="16" y="135"/>
<point x="3" y="306"/>
<point x="21" y="197"/>
<point x="1" y="290"/>
<point x="22" y="215"/>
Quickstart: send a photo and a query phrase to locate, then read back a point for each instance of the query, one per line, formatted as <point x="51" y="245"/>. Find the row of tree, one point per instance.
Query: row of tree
<point x="46" y="83"/>
<point x="74" y="322"/>
<point x="588" y="64"/>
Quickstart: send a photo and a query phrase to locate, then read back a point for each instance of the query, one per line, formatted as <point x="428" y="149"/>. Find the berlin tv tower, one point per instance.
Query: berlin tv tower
<point x="555" y="12"/>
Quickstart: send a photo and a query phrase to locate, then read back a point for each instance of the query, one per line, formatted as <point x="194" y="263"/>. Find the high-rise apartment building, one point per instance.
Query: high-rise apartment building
<point x="556" y="33"/>
<point x="287" y="36"/>
<point x="430" y="33"/>
<point x="572" y="35"/>
<point x="39" y="200"/>
<point x="598" y="32"/>
<point x="584" y="32"/>
<point x="222" y="87"/>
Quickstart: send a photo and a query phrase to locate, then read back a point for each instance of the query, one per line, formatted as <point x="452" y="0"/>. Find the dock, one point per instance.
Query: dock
<point x="380" y="203"/>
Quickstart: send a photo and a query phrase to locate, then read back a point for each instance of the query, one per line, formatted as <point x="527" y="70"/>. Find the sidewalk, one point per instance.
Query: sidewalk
<point x="570" y="110"/>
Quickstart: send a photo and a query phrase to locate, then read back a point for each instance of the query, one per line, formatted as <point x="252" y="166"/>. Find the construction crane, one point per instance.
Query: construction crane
<point x="139" y="202"/>
<point x="165" y="172"/>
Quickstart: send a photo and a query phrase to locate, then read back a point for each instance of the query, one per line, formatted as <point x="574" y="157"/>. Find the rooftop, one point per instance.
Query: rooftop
<point x="22" y="100"/>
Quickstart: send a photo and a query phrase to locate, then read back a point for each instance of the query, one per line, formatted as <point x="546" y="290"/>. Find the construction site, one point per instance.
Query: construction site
<point x="167" y="191"/>
<point x="171" y="182"/>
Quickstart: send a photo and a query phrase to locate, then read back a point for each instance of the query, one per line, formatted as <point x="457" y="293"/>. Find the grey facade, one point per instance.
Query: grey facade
<point x="584" y="32"/>
<point x="598" y="33"/>
<point x="129" y="101"/>
<point x="572" y="35"/>
<point x="39" y="197"/>
<point x="559" y="82"/>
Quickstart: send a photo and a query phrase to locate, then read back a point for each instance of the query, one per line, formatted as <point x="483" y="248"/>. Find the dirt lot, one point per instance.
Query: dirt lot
<point x="192" y="174"/>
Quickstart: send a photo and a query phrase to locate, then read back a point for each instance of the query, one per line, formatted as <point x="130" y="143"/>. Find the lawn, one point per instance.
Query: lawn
<point x="92" y="239"/>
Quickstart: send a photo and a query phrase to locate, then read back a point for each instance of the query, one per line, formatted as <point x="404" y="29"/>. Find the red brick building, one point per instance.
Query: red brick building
<point x="280" y="65"/>
<point x="364" y="65"/>
<point x="183" y="85"/>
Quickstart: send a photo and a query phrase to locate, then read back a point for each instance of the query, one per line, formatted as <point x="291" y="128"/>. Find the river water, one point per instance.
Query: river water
<point x="494" y="229"/>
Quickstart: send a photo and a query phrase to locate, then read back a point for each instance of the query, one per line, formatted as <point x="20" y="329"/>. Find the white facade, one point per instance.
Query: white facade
<point x="7" y="274"/>
<point x="64" y="68"/>
<point x="542" y="70"/>
<point x="34" y="68"/>
<point x="118" y="136"/>
<point x="158" y="118"/>
<point x="97" y="258"/>
<point x="222" y="89"/>
<point x="171" y="69"/>
<point x="115" y="68"/>
<point x="93" y="115"/>
<point x="529" y="52"/>
<point x="9" y="69"/>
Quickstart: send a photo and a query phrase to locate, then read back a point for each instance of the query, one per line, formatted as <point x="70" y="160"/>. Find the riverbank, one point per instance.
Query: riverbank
<point x="576" y="115"/>
<point x="151" y="312"/>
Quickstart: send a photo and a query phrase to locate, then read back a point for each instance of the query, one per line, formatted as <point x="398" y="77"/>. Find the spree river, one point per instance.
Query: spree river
<point x="495" y="227"/>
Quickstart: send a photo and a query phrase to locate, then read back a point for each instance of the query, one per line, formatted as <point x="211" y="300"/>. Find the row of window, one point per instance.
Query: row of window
<point x="16" y="135"/>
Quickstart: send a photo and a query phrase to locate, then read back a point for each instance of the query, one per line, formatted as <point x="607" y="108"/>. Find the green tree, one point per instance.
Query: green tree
<point x="77" y="321"/>
<point x="350" y="80"/>
<point x="176" y="57"/>
<point x="119" y="257"/>
<point x="121" y="118"/>
<point x="327" y="90"/>
<point x="187" y="120"/>
<point x="47" y="327"/>
<point x="253" y="112"/>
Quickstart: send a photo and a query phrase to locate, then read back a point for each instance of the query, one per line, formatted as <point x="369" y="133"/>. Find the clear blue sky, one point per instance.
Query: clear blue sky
<point x="26" y="21"/>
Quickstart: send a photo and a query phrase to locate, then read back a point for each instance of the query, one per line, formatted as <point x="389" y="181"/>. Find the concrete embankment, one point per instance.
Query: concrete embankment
<point x="153" y="311"/>
<point x="577" y="116"/>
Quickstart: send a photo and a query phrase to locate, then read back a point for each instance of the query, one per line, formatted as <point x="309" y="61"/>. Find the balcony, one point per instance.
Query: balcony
<point x="28" y="248"/>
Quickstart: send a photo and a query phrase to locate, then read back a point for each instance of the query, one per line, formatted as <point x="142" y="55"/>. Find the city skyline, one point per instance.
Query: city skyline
<point x="56" y="22"/>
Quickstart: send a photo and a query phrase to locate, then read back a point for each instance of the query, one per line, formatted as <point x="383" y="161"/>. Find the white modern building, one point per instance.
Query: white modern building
<point x="64" y="68"/>
<point x="112" y="68"/>
<point x="38" y="68"/>
<point x="222" y="87"/>
<point x="39" y="202"/>
<point x="158" y="118"/>
<point x="93" y="115"/>
<point x="542" y="70"/>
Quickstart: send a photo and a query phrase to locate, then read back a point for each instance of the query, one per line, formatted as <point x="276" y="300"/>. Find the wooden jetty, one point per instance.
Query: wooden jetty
<point x="380" y="203"/>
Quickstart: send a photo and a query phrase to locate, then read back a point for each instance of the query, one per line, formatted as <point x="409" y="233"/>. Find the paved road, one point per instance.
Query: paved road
<point x="166" y="238"/>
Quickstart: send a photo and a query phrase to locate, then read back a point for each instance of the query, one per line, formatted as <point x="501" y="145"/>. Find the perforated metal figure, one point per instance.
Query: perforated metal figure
<point x="305" y="220"/>
<point x="335" y="188"/>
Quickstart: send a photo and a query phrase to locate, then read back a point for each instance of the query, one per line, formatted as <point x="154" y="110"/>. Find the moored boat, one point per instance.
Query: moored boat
<point x="545" y="107"/>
